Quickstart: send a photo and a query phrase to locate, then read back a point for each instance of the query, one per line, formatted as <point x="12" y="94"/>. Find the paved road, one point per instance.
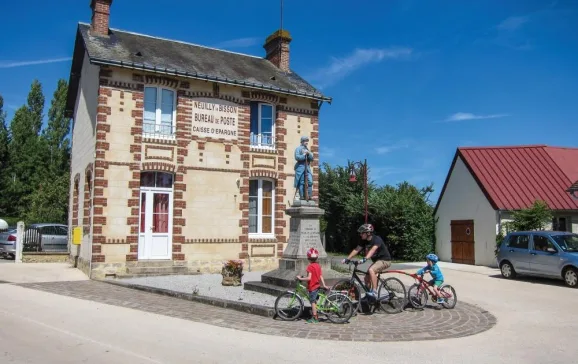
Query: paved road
<point x="537" y="323"/>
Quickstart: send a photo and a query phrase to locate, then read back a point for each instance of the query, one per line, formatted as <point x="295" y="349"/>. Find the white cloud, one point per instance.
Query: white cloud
<point x="513" y="23"/>
<point x="238" y="43"/>
<point x="391" y="147"/>
<point x="461" y="116"/>
<point x="325" y="152"/>
<point x="380" y="172"/>
<point x="341" y="67"/>
<point x="12" y="64"/>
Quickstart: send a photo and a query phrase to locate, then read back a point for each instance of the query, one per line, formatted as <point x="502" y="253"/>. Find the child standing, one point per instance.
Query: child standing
<point x="436" y="273"/>
<point x="314" y="275"/>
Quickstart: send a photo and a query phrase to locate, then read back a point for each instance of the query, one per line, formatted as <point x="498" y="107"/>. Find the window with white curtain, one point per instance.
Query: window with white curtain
<point x="261" y="203"/>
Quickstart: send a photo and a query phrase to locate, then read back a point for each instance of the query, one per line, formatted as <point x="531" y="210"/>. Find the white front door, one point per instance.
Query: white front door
<point x="156" y="224"/>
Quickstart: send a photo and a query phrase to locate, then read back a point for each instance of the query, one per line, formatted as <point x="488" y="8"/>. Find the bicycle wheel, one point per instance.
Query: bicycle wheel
<point x="417" y="297"/>
<point x="346" y="286"/>
<point x="391" y="295"/>
<point x="338" y="308"/>
<point x="288" y="306"/>
<point x="448" y="293"/>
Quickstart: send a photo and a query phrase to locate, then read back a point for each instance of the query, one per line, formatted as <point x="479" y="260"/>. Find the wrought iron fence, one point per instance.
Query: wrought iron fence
<point x="262" y="140"/>
<point x="158" y="131"/>
<point x="32" y="241"/>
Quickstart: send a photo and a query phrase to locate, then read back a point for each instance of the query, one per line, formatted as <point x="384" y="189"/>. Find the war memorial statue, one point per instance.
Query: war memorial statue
<point x="303" y="174"/>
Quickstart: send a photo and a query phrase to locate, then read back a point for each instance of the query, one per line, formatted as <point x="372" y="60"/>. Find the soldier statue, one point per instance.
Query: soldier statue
<point x="303" y="175"/>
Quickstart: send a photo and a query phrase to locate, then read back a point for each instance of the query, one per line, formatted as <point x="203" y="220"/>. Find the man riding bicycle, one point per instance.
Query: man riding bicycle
<point x="376" y="250"/>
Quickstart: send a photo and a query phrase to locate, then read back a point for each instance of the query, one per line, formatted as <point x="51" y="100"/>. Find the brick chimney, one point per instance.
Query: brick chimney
<point x="100" y="16"/>
<point x="277" y="48"/>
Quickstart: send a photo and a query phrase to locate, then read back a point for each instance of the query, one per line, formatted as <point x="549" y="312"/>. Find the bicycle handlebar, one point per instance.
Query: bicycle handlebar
<point x="354" y="262"/>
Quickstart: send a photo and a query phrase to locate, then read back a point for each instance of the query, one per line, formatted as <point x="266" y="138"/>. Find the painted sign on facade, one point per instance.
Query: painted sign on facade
<point x="215" y="118"/>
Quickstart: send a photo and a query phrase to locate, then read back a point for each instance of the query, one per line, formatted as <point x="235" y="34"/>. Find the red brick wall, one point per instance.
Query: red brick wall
<point x="88" y="199"/>
<point x="315" y="149"/>
<point x="103" y="116"/>
<point x="279" y="57"/>
<point x="75" y="198"/>
<point x="134" y="184"/>
<point x="100" y="16"/>
<point x="282" y="182"/>
<point x="244" y="142"/>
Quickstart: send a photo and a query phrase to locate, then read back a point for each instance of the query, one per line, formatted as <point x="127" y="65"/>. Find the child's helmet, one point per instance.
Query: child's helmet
<point x="434" y="258"/>
<point x="312" y="253"/>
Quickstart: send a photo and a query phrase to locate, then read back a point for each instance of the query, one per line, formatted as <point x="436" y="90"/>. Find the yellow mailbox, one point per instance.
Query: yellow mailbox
<point x="77" y="235"/>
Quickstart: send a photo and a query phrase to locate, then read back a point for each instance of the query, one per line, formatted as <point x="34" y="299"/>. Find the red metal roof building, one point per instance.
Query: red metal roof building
<point x="485" y="184"/>
<point x="512" y="178"/>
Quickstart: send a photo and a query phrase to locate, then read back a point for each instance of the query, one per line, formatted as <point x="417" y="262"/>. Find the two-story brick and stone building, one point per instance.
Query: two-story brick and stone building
<point x="182" y="155"/>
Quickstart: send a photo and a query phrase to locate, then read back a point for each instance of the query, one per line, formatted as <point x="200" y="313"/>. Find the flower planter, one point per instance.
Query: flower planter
<point x="232" y="273"/>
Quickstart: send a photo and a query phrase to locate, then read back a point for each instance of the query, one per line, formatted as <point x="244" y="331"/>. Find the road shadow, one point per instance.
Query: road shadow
<point x="533" y="280"/>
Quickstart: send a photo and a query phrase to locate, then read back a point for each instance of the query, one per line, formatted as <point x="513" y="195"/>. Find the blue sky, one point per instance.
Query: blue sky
<point x="411" y="80"/>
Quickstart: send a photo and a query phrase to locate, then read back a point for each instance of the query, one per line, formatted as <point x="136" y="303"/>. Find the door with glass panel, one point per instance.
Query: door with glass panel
<point x="156" y="216"/>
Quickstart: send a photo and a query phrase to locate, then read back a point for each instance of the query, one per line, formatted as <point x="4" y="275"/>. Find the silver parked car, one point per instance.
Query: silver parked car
<point x="43" y="237"/>
<point x="8" y="244"/>
<point x="551" y="254"/>
<point x="52" y="237"/>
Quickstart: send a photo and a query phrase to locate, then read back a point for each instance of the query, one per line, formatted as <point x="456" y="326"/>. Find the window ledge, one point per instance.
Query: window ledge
<point x="264" y="149"/>
<point x="257" y="236"/>
<point x="159" y="139"/>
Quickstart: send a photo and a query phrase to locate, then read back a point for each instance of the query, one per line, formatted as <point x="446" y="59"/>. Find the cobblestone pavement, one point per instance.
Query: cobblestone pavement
<point x="429" y="324"/>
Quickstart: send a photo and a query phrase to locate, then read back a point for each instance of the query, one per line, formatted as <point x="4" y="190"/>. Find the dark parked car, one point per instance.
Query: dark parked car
<point x="552" y="254"/>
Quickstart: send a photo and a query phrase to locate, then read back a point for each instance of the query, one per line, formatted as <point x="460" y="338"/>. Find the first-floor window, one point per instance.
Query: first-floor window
<point x="262" y="125"/>
<point x="261" y="201"/>
<point x="159" y="112"/>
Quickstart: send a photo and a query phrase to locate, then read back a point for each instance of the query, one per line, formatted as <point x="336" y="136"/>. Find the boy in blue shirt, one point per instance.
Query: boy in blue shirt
<point x="436" y="273"/>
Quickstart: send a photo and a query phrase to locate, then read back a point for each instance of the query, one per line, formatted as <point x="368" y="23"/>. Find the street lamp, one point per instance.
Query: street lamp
<point x="353" y="178"/>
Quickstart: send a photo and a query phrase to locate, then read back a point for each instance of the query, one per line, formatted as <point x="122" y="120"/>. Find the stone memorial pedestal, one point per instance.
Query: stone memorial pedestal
<point x="304" y="233"/>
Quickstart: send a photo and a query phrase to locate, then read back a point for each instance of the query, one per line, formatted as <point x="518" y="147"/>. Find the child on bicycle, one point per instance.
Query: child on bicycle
<point x="313" y="277"/>
<point x="436" y="273"/>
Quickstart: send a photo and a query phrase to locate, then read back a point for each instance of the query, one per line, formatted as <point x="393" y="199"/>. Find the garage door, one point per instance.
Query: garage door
<point x="463" y="242"/>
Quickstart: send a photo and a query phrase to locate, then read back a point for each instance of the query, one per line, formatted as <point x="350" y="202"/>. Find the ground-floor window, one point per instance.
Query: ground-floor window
<point x="559" y="224"/>
<point x="261" y="200"/>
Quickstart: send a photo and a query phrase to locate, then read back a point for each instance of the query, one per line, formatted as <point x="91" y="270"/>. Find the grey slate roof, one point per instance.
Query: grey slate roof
<point x="184" y="59"/>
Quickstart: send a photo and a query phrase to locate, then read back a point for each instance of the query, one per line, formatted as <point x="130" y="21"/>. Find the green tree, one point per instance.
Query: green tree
<point x="25" y="153"/>
<point x="56" y="133"/>
<point x="50" y="202"/>
<point x="536" y="217"/>
<point x="335" y="194"/>
<point x="4" y="161"/>
<point x="36" y="106"/>
<point x="402" y="215"/>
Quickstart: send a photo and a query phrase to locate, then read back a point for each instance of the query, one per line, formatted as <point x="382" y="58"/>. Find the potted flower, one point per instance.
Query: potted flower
<point x="232" y="273"/>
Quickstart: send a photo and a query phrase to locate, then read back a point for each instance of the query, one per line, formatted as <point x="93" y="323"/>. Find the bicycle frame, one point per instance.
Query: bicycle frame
<point x="355" y="277"/>
<point x="425" y="285"/>
<point x="302" y="292"/>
